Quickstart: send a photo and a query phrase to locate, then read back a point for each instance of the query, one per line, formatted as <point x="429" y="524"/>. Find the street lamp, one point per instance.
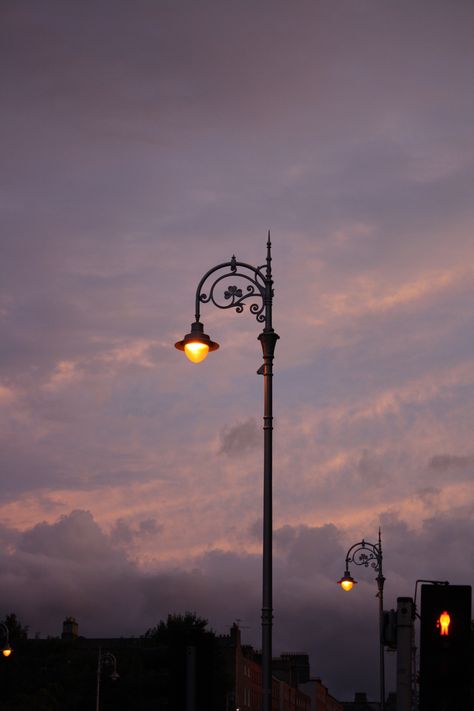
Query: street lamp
<point x="103" y="660"/>
<point x="257" y="286"/>
<point x="365" y="553"/>
<point x="6" y="648"/>
<point x="347" y="582"/>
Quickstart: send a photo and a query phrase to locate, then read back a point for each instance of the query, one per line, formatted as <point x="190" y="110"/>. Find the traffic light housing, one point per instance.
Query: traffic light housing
<point x="445" y="640"/>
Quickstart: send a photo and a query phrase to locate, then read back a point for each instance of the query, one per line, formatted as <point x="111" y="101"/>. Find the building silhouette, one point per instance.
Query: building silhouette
<point x="176" y="667"/>
<point x="292" y="687"/>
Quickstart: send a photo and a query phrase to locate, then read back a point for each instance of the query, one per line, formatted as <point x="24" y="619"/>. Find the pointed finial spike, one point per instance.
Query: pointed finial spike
<point x="269" y="257"/>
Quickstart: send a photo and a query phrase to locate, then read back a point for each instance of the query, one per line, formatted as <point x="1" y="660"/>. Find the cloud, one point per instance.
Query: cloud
<point x="429" y="494"/>
<point x="240" y="438"/>
<point x="71" y="567"/>
<point x="369" y="469"/>
<point x="75" y="538"/>
<point x="444" y="463"/>
<point x="123" y="533"/>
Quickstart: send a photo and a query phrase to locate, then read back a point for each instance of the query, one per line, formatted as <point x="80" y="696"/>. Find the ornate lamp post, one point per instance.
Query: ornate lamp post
<point x="6" y="649"/>
<point x="258" y="289"/>
<point x="365" y="553"/>
<point x="104" y="659"/>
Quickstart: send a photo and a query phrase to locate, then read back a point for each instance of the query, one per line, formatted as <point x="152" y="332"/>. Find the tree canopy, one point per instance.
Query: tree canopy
<point x="178" y="628"/>
<point x="16" y="630"/>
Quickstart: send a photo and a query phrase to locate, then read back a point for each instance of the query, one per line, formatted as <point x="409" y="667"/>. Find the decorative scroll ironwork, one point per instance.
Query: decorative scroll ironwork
<point x="232" y="292"/>
<point x="231" y="295"/>
<point x="365" y="554"/>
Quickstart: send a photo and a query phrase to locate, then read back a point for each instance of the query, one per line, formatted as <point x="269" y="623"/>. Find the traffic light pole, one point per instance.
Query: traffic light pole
<point x="380" y="582"/>
<point x="405" y="630"/>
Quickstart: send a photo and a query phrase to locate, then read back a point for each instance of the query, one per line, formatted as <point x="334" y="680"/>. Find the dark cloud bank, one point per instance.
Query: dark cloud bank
<point x="72" y="567"/>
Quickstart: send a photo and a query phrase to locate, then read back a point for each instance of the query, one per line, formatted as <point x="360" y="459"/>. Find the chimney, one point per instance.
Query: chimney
<point x="235" y="635"/>
<point x="70" y="629"/>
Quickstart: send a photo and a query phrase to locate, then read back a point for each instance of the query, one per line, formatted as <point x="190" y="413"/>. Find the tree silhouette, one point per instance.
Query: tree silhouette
<point x="17" y="631"/>
<point x="179" y="629"/>
<point x="184" y="637"/>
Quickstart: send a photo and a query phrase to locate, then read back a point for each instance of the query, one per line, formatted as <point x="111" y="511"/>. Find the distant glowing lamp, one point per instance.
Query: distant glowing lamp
<point x="5" y="646"/>
<point x="443" y="623"/>
<point x="196" y="344"/>
<point x="347" y="582"/>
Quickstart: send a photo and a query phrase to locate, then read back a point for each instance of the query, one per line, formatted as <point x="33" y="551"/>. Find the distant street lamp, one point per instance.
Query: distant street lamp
<point x="364" y="553"/>
<point x="6" y="648"/>
<point x="197" y="344"/>
<point x="106" y="659"/>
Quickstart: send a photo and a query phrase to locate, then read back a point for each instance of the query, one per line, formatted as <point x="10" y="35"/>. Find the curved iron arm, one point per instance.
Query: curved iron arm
<point x="5" y="630"/>
<point x="109" y="658"/>
<point x="365" y="553"/>
<point x="5" y="647"/>
<point x="432" y="582"/>
<point x="259" y="286"/>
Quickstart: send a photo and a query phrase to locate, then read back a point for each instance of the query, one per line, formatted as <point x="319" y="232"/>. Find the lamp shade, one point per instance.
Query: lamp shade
<point x="196" y="344"/>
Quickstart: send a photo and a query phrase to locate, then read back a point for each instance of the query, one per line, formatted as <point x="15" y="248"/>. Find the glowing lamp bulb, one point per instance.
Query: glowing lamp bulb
<point x="6" y="652"/>
<point x="196" y="344"/>
<point x="347" y="582"/>
<point x="196" y="351"/>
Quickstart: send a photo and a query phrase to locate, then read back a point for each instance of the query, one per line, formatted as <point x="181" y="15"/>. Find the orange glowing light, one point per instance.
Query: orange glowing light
<point x="7" y="651"/>
<point x="196" y="351"/>
<point x="443" y="623"/>
<point x="347" y="582"/>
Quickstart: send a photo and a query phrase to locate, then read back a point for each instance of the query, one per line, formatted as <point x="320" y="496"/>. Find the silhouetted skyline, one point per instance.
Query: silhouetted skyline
<point x="143" y="143"/>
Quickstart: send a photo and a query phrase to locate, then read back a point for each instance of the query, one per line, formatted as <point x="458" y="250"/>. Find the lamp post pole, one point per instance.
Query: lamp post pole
<point x="99" y="671"/>
<point x="102" y="659"/>
<point x="258" y="285"/>
<point x="365" y="553"/>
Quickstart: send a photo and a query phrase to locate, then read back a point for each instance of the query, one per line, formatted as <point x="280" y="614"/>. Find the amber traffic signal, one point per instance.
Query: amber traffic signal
<point x="445" y="647"/>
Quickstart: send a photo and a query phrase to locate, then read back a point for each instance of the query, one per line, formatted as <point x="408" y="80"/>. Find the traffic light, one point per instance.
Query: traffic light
<point x="445" y="647"/>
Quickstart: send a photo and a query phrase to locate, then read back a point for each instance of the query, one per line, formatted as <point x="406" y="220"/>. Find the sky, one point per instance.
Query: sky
<point x="144" y="142"/>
